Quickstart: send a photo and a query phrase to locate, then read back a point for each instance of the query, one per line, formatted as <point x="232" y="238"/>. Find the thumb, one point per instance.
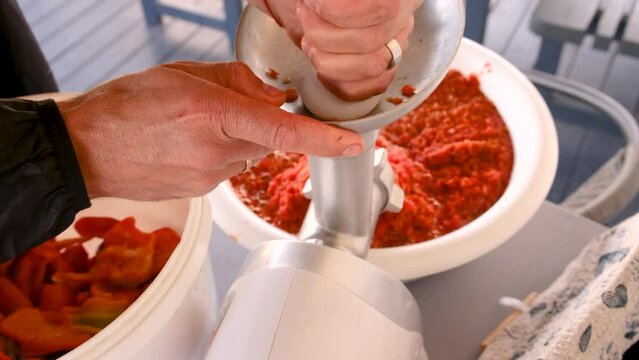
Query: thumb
<point x="276" y="129"/>
<point x="236" y="76"/>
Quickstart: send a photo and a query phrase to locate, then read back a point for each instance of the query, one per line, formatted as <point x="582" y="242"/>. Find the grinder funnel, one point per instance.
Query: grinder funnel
<point x="439" y="24"/>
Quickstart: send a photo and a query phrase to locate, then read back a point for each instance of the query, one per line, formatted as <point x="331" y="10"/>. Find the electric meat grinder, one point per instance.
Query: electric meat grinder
<point x="318" y="298"/>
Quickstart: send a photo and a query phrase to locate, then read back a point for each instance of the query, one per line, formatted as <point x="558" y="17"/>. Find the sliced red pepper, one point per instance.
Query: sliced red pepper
<point x="271" y="73"/>
<point x="56" y="296"/>
<point x="105" y="290"/>
<point x="90" y="227"/>
<point x="41" y="333"/>
<point x="166" y="240"/>
<point x="4" y="356"/>
<point x="81" y="298"/>
<point x="122" y="266"/>
<point x="73" y="279"/>
<point x="58" y="265"/>
<point x="408" y="90"/>
<point x="124" y="233"/>
<point x="99" y="311"/>
<point x="395" y="100"/>
<point x="47" y="250"/>
<point x="28" y="273"/>
<point x="11" y="298"/>
<point x="77" y="256"/>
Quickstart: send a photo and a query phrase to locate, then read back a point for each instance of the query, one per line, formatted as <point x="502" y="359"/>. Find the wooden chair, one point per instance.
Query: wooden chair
<point x="611" y="188"/>
<point x="560" y="21"/>
<point x="154" y="9"/>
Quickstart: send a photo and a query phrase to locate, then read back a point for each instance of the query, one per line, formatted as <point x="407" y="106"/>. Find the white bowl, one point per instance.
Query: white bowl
<point x="174" y="317"/>
<point x="534" y="138"/>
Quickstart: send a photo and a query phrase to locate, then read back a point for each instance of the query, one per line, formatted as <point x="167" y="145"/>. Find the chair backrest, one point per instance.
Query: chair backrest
<point x="615" y="183"/>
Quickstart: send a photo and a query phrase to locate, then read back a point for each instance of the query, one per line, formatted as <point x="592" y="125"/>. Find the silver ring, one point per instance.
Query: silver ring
<point x="247" y="166"/>
<point x="396" y="53"/>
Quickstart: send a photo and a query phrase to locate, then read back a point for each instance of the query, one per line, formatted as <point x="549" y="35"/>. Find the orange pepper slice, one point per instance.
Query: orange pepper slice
<point x="166" y="240"/>
<point x="40" y="333"/>
<point x="77" y="257"/>
<point x="98" y="312"/>
<point x="122" y="266"/>
<point x="11" y="298"/>
<point x="56" y="296"/>
<point x="124" y="233"/>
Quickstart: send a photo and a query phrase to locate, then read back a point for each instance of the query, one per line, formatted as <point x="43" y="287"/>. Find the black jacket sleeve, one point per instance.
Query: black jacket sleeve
<point x="23" y="68"/>
<point x="41" y="186"/>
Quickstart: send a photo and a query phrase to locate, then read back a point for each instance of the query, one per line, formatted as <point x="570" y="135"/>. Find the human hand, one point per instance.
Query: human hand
<point x="345" y="40"/>
<point x="178" y="130"/>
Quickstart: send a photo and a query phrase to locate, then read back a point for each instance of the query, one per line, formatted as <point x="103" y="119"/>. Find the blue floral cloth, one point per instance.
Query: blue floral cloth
<point x="590" y="312"/>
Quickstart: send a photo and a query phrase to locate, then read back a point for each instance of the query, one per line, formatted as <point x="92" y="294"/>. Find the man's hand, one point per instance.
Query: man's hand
<point x="345" y="40"/>
<point x="178" y="130"/>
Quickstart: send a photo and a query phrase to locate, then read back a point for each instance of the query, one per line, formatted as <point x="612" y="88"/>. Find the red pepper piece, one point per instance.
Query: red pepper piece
<point x="106" y="290"/>
<point x="124" y="233"/>
<point x="408" y="90"/>
<point x="41" y="333"/>
<point x="395" y="100"/>
<point x="291" y="95"/>
<point x="11" y="298"/>
<point x="81" y="298"/>
<point x="28" y="274"/>
<point x="56" y="296"/>
<point x="99" y="311"/>
<point x="271" y="73"/>
<point x="90" y="227"/>
<point x="77" y="256"/>
<point x="58" y="265"/>
<point x="75" y="280"/>
<point x="166" y="240"/>
<point x="126" y="267"/>
<point x="4" y="356"/>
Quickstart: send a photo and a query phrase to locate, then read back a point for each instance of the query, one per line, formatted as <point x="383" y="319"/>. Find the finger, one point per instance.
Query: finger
<point x="230" y="170"/>
<point x="359" y="90"/>
<point x="334" y="39"/>
<point x="356" y="13"/>
<point x="237" y="150"/>
<point x="236" y="76"/>
<point x="277" y="129"/>
<point x="211" y="179"/>
<point x="353" y="67"/>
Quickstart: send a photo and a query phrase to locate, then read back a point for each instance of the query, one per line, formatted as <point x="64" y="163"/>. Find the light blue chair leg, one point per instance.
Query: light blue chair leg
<point x="151" y="13"/>
<point x="233" y="10"/>
<point x="476" y="14"/>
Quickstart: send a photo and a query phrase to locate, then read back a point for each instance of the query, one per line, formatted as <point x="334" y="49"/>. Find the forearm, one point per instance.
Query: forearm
<point x="41" y="186"/>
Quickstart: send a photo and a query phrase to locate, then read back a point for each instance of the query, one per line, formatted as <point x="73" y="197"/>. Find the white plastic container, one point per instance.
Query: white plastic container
<point x="534" y="138"/>
<point x="174" y="317"/>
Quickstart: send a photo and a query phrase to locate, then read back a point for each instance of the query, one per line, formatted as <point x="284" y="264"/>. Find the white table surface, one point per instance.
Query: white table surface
<point x="459" y="307"/>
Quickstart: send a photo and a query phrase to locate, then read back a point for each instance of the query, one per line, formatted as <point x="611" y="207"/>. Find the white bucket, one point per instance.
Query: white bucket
<point x="174" y="317"/>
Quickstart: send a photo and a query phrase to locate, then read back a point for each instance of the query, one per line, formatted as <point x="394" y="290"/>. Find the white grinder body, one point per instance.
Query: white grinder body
<point x="299" y="300"/>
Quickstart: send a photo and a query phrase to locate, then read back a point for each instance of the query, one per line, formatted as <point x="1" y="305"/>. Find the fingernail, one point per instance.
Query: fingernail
<point x="271" y="90"/>
<point x="353" y="150"/>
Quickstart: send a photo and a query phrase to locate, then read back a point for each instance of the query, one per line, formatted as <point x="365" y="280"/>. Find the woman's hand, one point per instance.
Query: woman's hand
<point x="345" y="40"/>
<point x="178" y="130"/>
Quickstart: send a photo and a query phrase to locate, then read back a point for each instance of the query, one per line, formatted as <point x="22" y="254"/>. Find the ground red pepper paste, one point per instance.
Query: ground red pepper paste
<point x="452" y="156"/>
